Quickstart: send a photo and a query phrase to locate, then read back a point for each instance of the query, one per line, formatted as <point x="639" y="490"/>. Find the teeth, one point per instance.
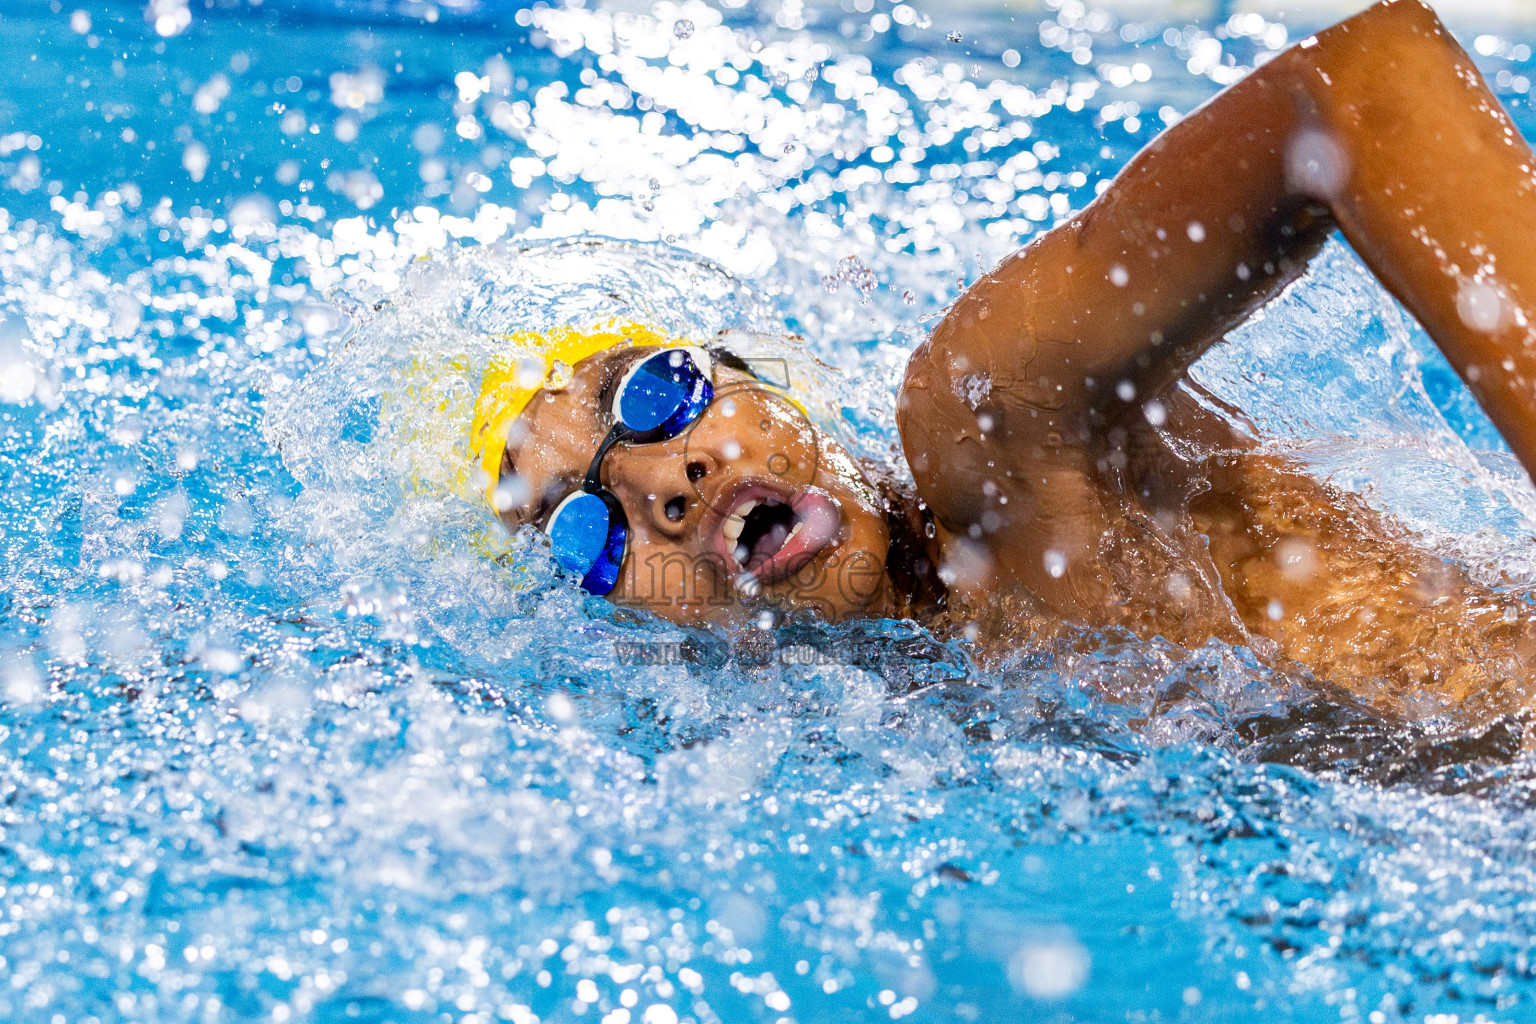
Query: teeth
<point x="793" y="532"/>
<point x="737" y="520"/>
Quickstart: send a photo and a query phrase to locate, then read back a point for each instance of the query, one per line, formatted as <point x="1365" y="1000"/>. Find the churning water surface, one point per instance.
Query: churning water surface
<point x="292" y="732"/>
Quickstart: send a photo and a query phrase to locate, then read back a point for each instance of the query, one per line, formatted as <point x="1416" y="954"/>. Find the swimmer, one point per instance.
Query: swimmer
<point x="1065" y="466"/>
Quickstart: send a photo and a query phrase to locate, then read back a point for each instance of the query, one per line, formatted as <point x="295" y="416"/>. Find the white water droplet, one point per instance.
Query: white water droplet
<point x="1480" y="305"/>
<point x="511" y="490"/>
<point x="1052" y="969"/>
<point x="18" y="378"/>
<point x="560" y="708"/>
<point x="1316" y="165"/>
<point x="195" y="159"/>
<point x="530" y="372"/>
<point x="22" y="683"/>
<point x="168" y="16"/>
<point x="221" y="660"/>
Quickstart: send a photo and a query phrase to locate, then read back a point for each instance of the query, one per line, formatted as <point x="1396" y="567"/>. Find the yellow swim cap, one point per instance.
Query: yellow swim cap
<point x="534" y="360"/>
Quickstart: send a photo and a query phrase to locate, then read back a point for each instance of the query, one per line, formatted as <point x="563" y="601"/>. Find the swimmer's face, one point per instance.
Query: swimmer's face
<point x="752" y="507"/>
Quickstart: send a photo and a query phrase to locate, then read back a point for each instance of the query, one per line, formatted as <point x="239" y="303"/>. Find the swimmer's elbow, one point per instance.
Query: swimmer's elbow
<point x="1376" y="35"/>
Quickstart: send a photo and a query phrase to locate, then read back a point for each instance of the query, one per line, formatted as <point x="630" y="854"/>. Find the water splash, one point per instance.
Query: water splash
<point x="285" y="737"/>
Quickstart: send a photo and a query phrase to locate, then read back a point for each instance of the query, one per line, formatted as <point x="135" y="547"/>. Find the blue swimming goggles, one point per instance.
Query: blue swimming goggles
<point x="656" y="400"/>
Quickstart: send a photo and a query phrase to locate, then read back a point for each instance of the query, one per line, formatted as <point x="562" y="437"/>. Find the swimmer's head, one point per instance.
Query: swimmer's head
<point x="750" y="506"/>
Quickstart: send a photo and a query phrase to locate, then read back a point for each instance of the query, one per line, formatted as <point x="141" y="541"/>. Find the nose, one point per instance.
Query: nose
<point x="750" y="431"/>
<point x="662" y="486"/>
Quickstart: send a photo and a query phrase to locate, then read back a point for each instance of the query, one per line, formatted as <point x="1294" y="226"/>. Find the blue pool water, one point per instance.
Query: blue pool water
<point x="291" y="732"/>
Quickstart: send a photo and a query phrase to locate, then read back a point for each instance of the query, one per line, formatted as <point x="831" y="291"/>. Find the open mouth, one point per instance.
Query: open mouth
<point x="771" y="535"/>
<point x="760" y="529"/>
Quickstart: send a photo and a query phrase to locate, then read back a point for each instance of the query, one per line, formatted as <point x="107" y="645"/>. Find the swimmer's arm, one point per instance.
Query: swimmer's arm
<point x="1380" y="126"/>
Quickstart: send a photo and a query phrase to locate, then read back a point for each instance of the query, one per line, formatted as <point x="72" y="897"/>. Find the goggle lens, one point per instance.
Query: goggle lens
<point x="588" y="534"/>
<point x="660" y="396"/>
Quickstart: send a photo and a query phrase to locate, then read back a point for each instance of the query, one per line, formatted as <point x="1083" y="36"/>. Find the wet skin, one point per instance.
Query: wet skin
<point x="679" y="496"/>
<point x="1072" y="469"/>
<point x="1059" y="481"/>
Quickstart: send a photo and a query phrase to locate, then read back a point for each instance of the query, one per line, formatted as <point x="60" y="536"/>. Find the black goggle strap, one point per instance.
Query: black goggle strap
<point x="593" y="484"/>
<point x="735" y="362"/>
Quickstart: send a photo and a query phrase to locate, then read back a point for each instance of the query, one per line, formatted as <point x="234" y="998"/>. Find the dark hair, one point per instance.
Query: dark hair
<point x="917" y="590"/>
